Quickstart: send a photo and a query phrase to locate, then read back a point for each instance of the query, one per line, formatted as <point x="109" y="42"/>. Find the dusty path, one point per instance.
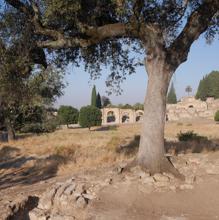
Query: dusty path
<point x="129" y="202"/>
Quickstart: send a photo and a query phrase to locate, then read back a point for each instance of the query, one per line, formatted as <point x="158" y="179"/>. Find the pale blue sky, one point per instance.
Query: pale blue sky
<point x="202" y="59"/>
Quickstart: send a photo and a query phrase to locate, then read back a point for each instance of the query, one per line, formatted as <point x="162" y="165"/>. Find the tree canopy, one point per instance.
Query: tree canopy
<point x="68" y="115"/>
<point x="209" y="86"/>
<point x="95" y="32"/>
<point x="90" y="116"/>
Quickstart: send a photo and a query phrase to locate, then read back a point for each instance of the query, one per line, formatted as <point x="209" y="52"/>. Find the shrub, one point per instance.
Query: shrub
<point x="68" y="115"/>
<point x="190" y="136"/>
<point x="216" y="116"/>
<point x="32" y="128"/>
<point x="90" y="116"/>
<point x="50" y="125"/>
<point x="47" y="126"/>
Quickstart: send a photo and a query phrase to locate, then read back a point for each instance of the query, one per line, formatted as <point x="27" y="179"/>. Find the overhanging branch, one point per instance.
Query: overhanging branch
<point x="197" y="23"/>
<point x="57" y="39"/>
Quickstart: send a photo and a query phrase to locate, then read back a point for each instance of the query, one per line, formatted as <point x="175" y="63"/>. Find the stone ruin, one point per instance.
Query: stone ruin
<point x="189" y="107"/>
<point x="186" y="108"/>
<point x="120" y="116"/>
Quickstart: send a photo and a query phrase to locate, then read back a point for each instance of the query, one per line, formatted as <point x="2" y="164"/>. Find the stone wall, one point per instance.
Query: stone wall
<point x="119" y="116"/>
<point x="186" y="108"/>
<point x="189" y="107"/>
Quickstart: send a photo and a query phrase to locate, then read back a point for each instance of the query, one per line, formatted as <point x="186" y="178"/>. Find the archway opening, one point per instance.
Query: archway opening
<point x="191" y="106"/>
<point x="125" y="119"/>
<point x="139" y="117"/>
<point x="111" y="117"/>
<point x="167" y="117"/>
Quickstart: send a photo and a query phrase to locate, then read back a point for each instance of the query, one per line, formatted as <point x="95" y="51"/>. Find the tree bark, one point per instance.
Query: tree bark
<point x="10" y="129"/>
<point x="151" y="150"/>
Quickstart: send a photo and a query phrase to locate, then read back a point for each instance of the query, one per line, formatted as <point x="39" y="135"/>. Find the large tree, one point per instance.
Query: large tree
<point x="97" y="32"/>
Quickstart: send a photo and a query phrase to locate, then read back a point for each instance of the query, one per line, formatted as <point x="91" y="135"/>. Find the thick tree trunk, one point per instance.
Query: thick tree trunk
<point x="10" y="130"/>
<point x="151" y="150"/>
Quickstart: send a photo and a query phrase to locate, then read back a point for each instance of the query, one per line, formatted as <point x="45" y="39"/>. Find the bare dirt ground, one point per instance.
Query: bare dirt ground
<point x="33" y="164"/>
<point x="134" y="201"/>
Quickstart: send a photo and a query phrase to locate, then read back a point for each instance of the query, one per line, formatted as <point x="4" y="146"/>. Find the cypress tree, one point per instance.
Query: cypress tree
<point x="98" y="101"/>
<point x="171" y="97"/>
<point x="209" y="86"/>
<point x="94" y="97"/>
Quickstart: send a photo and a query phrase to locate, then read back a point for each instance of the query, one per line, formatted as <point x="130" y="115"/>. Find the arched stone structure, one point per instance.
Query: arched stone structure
<point x="111" y="117"/>
<point x="187" y="107"/>
<point x="107" y="116"/>
<point x="120" y="116"/>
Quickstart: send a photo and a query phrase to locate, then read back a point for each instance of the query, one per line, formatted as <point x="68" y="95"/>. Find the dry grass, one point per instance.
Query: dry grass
<point x="83" y="149"/>
<point x="206" y="128"/>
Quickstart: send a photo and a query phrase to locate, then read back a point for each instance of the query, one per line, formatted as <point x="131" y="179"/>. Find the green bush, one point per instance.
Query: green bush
<point x="68" y="115"/>
<point x="50" y="125"/>
<point x="32" y="128"/>
<point x="216" y="116"/>
<point x="190" y="136"/>
<point x="90" y="116"/>
<point x="47" y="126"/>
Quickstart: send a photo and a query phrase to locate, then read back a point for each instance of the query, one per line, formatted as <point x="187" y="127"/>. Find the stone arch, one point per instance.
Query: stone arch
<point x="111" y="117"/>
<point x="138" y="115"/>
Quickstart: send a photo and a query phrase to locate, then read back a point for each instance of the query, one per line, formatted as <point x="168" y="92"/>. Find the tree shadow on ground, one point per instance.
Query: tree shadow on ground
<point x="173" y="147"/>
<point x="107" y="128"/>
<point x="25" y="135"/>
<point x="8" y="152"/>
<point x="24" y="170"/>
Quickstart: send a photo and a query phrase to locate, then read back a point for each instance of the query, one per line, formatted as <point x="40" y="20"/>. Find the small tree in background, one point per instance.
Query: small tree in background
<point x="216" y="116"/>
<point x="138" y="106"/>
<point x="68" y="115"/>
<point x="98" y="101"/>
<point x="126" y="106"/>
<point x="188" y="89"/>
<point x="94" y="97"/>
<point x="171" y="97"/>
<point x="105" y="101"/>
<point x="90" y="116"/>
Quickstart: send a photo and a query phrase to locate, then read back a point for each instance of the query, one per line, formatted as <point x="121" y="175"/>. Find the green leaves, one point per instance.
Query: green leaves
<point x="171" y="97"/>
<point x="209" y="86"/>
<point x="68" y="115"/>
<point x="90" y="116"/>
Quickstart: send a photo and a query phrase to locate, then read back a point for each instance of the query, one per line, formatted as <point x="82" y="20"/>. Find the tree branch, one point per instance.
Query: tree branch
<point x="197" y="23"/>
<point x="20" y="6"/>
<point x="57" y="39"/>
